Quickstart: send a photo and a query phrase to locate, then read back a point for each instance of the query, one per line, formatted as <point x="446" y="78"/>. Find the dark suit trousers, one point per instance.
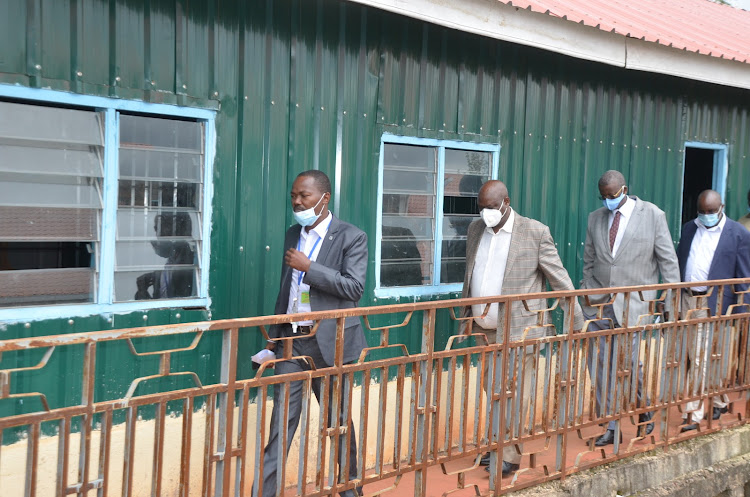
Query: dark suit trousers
<point x="604" y="365"/>
<point x="302" y="347"/>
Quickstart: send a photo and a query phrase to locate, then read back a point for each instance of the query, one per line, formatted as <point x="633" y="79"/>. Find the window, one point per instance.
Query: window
<point x="427" y="199"/>
<point x="103" y="204"/>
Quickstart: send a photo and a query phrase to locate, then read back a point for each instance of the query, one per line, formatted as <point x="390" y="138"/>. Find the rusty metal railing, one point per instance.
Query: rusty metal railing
<point x="433" y="410"/>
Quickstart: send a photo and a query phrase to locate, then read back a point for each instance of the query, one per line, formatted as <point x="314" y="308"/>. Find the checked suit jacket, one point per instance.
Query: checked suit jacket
<point x="532" y="261"/>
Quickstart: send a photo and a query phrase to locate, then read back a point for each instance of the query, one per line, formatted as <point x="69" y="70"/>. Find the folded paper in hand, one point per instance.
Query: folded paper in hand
<point x="263" y="356"/>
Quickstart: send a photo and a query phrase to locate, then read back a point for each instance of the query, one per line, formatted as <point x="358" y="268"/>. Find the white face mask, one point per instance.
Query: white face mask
<point x="308" y="217"/>
<point x="492" y="217"/>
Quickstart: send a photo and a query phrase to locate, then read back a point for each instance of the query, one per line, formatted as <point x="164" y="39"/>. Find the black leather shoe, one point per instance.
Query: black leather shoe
<point x="646" y="416"/>
<point x="690" y="427"/>
<point x="607" y="439"/>
<point x="485" y="460"/>
<point x="718" y="411"/>
<point x="508" y="468"/>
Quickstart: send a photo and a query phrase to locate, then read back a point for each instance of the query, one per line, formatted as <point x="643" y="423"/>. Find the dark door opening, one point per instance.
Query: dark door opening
<point x="699" y="174"/>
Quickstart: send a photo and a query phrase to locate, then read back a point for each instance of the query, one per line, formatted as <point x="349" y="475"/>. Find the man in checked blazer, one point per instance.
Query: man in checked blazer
<point x="627" y="244"/>
<point x="509" y="254"/>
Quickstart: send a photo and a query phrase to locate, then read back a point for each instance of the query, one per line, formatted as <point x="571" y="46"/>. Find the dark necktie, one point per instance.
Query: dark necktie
<point x="613" y="231"/>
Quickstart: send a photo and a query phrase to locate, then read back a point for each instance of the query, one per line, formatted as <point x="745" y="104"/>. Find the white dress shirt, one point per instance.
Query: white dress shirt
<point x="307" y="246"/>
<point x="489" y="270"/>
<point x="626" y="212"/>
<point x="702" y="252"/>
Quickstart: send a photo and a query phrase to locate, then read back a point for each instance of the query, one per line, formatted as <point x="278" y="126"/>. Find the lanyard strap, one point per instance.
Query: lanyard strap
<point x="302" y="273"/>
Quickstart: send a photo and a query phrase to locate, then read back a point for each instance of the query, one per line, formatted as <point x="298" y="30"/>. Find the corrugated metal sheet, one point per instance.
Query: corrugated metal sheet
<point x="698" y="26"/>
<point x="301" y="84"/>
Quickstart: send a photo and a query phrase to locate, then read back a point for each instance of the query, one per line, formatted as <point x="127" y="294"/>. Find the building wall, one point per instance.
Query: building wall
<point x="304" y="84"/>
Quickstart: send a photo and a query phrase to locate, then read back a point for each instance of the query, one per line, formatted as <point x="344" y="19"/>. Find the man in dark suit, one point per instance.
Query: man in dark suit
<point x="712" y="247"/>
<point x="324" y="268"/>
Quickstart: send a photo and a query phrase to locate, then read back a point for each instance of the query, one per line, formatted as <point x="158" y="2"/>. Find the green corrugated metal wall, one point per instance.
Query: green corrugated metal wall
<point x="298" y="81"/>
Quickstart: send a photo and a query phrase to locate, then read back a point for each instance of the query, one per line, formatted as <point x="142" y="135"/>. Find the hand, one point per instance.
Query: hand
<point x="297" y="260"/>
<point x="270" y="345"/>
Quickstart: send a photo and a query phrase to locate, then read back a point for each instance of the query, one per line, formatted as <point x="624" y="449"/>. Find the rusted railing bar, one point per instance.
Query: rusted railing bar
<point x="450" y="396"/>
<point x="129" y="454"/>
<point x="32" y="457"/>
<point x="304" y="433"/>
<point x="364" y="424"/>
<point x="256" y="321"/>
<point x="348" y="425"/>
<point x="208" y="450"/>
<point x="260" y="441"/>
<point x="158" y="462"/>
<point x="320" y="479"/>
<point x="462" y="439"/>
<point x="226" y="411"/>
<point x="382" y="407"/>
<point x="439" y="414"/>
<point x="63" y="454"/>
<point x="105" y="444"/>
<point x="423" y="403"/>
<point x="242" y="437"/>
<point x="185" y="446"/>
<point x="399" y="417"/>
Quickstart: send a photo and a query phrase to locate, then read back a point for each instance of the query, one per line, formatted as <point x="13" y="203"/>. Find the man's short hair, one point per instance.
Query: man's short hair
<point x="612" y="177"/>
<point x="321" y="179"/>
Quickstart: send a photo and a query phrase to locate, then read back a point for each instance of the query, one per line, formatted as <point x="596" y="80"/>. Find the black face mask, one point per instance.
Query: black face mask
<point x="163" y="248"/>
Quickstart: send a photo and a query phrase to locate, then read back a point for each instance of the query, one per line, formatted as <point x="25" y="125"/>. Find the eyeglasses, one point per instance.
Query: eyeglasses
<point x="612" y="197"/>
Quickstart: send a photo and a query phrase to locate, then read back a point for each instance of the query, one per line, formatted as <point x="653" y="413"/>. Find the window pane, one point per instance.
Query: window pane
<point x="159" y="209"/>
<point x="50" y="203"/>
<point x="29" y="123"/>
<point x="169" y="282"/>
<point x="48" y="224"/>
<point x="149" y="132"/>
<point x="66" y="162"/>
<point x="159" y="194"/>
<point x="409" y="157"/>
<point x="180" y="166"/>
<point x="408" y="222"/>
<point x="45" y="273"/>
<point x="465" y="172"/>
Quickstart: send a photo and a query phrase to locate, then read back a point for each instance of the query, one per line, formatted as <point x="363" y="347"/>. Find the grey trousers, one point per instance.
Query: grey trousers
<point x="604" y="364"/>
<point x="515" y="414"/>
<point x="302" y="347"/>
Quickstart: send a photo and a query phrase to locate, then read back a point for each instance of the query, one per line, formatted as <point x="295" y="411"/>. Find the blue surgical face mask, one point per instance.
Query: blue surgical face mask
<point x="308" y="217"/>
<point x="709" y="220"/>
<point x="613" y="203"/>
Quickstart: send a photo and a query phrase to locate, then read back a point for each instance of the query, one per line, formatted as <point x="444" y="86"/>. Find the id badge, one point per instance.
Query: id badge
<point x="304" y="298"/>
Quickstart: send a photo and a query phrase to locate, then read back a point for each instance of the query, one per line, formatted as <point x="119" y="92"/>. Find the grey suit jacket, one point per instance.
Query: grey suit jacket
<point x="337" y="281"/>
<point x="645" y="252"/>
<point x="532" y="261"/>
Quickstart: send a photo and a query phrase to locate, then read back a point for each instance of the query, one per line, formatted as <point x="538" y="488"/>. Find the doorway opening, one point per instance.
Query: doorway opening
<point x="705" y="167"/>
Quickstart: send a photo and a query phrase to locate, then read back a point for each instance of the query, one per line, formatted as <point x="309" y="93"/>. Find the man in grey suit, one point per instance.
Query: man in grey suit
<point x="627" y="243"/>
<point x="324" y="268"/>
<point x="508" y="254"/>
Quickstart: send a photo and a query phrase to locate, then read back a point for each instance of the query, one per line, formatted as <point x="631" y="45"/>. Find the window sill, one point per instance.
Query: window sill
<point x="418" y="291"/>
<point x="37" y="313"/>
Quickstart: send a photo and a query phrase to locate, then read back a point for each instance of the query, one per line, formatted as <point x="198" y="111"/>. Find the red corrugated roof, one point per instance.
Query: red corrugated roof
<point x="696" y="25"/>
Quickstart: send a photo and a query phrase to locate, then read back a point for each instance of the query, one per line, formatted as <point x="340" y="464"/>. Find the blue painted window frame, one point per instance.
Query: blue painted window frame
<point x="720" y="166"/>
<point x="111" y="108"/>
<point x="441" y="145"/>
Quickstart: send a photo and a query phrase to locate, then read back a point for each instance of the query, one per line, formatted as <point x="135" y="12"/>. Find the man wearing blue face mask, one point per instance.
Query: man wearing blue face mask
<point x="325" y="263"/>
<point x="712" y="247"/>
<point x="627" y="244"/>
